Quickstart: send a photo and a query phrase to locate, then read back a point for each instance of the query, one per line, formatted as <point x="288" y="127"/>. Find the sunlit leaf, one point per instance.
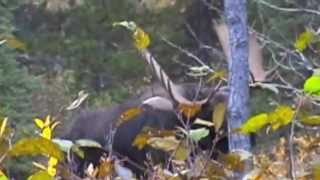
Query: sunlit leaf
<point x="254" y="124"/>
<point x="141" y="39"/>
<point x="36" y="146"/>
<point x="52" y="166"/>
<point x="40" y="175"/>
<point x="52" y="163"/>
<point x="281" y="116"/>
<point x="3" y="126"/>
<point x="39" y="123"/>
<point x="304" y="40"/>
<point x="203" y="122"/>
<point x="198" y="134"/>
<point x="218" y="115"/>
<point x="130" y="25"/>
<point x="46" y="133"/>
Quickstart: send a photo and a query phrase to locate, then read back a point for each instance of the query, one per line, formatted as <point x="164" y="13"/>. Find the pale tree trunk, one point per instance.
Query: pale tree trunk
<point x="238" y="105"/>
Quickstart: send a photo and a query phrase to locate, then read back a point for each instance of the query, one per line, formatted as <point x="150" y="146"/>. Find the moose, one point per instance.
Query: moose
<point x="159" y="104"/>
<point x="159" y="109"/>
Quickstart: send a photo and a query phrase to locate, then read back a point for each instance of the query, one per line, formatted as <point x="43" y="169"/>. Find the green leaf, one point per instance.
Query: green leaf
<point x="36" y="146"/>
<point x="40" y="175"/>
<point x="198" y="134"/>
<point x="312" y="85"/>
<point x="3" y="176"/>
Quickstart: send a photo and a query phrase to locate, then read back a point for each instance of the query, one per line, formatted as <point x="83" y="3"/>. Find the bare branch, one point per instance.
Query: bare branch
<point x="290" y="10"/>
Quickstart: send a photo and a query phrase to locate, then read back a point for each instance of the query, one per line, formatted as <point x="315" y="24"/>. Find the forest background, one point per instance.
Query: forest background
<point x="56" y="48"/>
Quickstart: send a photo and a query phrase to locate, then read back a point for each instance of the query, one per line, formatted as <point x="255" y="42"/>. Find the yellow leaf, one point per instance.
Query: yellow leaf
<point x="304" y="40"/>
<point x="218" y="115"/>
<point x="52" y="171"/>
<point x="46" y="133"/>
<point x="316" y="171"/>
<point x="141" y="39"/>
<point x="218" y="75"/>
<point x="310" y="120"/>
<point x="15" y="43"/>
<point x="36" y="146"/>
<point x="254" y="124"/>
<point x="281" y="116"/>
<point x="147" y="133"/>
<point x="39" y="123"/>
<point x="41" y="175"/>
<point x="141" y="141"/>
<point x="3" y="126"/>
<point x="167" y="144"/>
<point x="128" y="115"/>
<point x="52" y="162"/>
<point x="181" y="153"/>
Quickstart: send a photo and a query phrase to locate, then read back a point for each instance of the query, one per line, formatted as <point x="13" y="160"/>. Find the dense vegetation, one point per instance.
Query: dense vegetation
<point x="50" y="50"/>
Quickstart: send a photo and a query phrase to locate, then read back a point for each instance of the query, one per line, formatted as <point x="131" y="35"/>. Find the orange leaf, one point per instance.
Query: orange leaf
<point x="189" y="110"/>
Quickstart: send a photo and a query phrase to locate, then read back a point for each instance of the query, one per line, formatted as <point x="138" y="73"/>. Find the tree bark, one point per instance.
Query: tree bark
<point x="238" y="106"/>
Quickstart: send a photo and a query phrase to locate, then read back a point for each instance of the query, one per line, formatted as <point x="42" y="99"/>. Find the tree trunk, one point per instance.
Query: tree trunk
<point x="238" y="106"/>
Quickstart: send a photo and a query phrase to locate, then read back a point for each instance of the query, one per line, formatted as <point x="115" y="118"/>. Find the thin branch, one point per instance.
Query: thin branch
<point x="291" y="143"/>
<point x="186" y="52"/>
<point x="290" y="10"/>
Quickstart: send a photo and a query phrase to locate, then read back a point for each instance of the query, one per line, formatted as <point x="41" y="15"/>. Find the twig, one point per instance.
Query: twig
<point x="188" y="53"/>
<point x="291" y="143"/>
<point x="290" y="10"/>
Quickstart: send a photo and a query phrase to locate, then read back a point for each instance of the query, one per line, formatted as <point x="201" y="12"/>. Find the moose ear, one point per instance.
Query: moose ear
<point x="157" y="102"/>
